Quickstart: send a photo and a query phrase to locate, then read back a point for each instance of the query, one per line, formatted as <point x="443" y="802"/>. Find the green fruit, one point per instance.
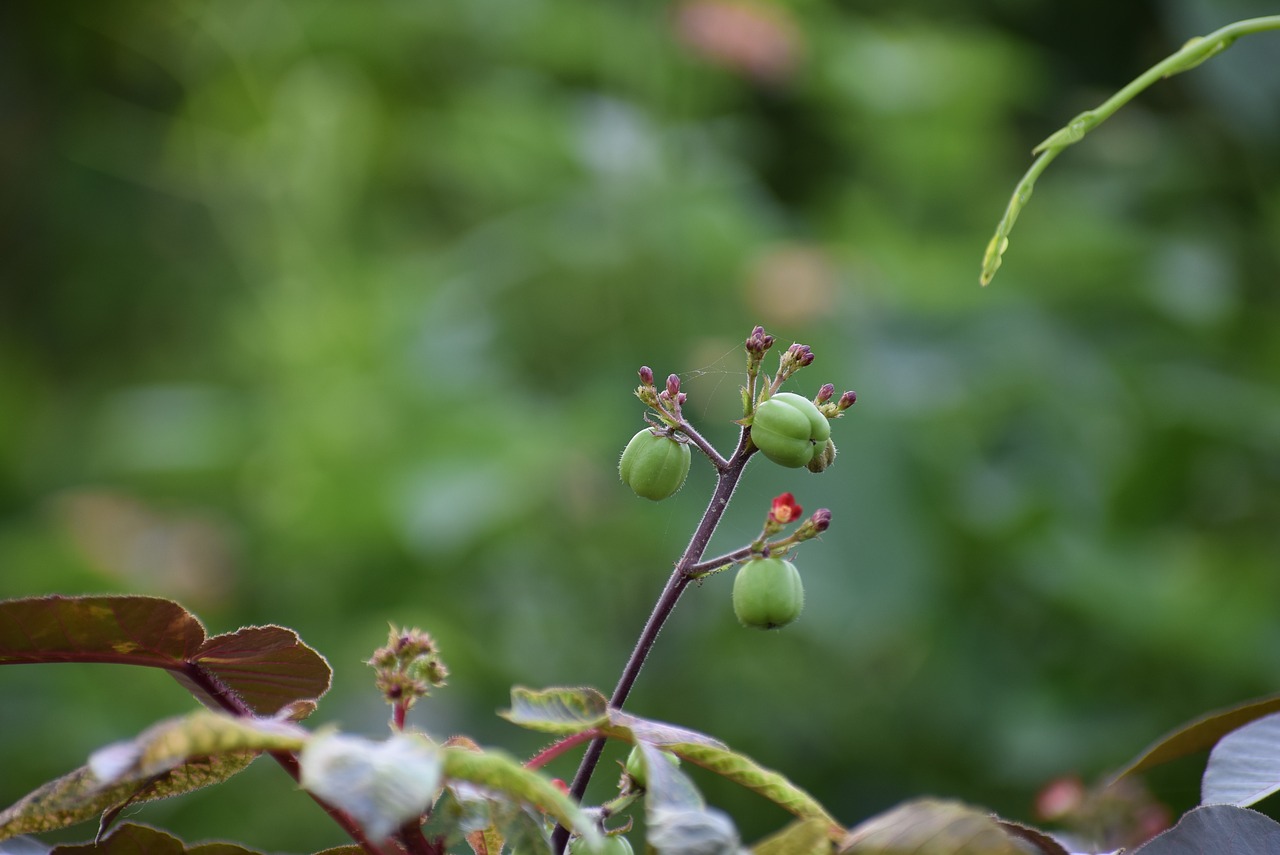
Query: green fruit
<point x="654" y="465"/>
<point x="789" y="430"/>
<point x="767" y="593"/>
<point x="613" y="844"/>
<point x="635" y="766"/>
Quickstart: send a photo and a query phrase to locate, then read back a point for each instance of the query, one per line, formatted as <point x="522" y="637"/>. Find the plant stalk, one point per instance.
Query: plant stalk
<point x="726" y="483"/>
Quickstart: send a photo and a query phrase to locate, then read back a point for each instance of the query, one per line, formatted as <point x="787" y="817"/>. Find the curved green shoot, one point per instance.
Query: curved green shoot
<point x="1194" y="52"/>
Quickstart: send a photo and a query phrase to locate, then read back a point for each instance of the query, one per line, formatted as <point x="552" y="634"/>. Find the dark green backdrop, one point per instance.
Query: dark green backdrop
<point x="327" y="314"/>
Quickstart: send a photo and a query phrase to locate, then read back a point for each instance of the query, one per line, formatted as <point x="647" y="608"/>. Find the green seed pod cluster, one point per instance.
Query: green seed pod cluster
<point x="767" y="593"/>
<point x="654" y="465"/>
<point x="789" y="430"/>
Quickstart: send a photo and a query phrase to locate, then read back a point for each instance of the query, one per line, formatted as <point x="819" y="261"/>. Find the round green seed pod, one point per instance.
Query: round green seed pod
<point x="613" y="844"/>
<point x="789" y="430"/>
<point x="635" y="770"/>
<point x="654" y="465"/>
<point x="767" y="593"/>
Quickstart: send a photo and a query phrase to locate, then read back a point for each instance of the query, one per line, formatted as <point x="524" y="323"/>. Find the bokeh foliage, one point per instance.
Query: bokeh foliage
<point x="327" y="314"/>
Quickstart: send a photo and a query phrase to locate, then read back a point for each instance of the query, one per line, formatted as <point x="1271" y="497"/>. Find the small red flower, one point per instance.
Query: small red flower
<point x="785" y="509"/>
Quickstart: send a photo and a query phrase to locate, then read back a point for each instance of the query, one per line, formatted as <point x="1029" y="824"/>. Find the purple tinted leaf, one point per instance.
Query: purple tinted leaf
<point x="1035" y="837"/>
<point x="141" y="840"/>
<point x="1224" y="829"/>
<point x="929" y="827"/>
<point x="1244" y="767"/>
<point x="125" y="630"/>
<point x="257" y="669"/>
<point x="267" y="666"/>
<point x="1199" y="735"/>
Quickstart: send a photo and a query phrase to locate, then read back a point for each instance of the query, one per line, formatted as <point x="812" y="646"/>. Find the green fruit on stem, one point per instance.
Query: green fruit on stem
<point x="613" y="844"/>
<point x="635" y="766"/>
<point x="654" y="465"/>
<point x="767" y="593"/>
<point x="789" y="430"/>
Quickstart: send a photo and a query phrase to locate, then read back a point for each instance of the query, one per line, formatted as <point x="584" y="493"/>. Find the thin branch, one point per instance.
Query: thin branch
<point x="680" y="578"/>
<point x="1194" y="52"/>
<point x="224" y="697"/>
<point x="553" y="751"/>
<point x="705" y="447"/>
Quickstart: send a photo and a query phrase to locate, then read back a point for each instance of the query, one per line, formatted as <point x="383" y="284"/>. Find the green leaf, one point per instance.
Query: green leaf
<point x="746" y="772"/>
<point x="801" y="837"/>
<point x="1199" y="735"/>
<point x="665" y="786"/>
<point x="167" y="745"/>
<point x="691" y="831"/>
<point x="131" y="839"/>
<point x="633" y="728"/>
<point x="168" y="759"/>
<point x="265" y="667"/>
<point x="497" y="771"/>
<point x="929" y="827"/>
<point x="561" y="710"/>
<point x="381" y="784"/>
<point x="79" y="796"/>
<point x="1244" y="767"/>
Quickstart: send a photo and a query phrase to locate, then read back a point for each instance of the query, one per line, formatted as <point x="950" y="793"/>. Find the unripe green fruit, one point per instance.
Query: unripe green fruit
<point x="635" y="765"/>
<point x="789" y="430"/>
<point x="613" y="844"/>
<point x="654" y="465"/>
<point x="767" y="593"/>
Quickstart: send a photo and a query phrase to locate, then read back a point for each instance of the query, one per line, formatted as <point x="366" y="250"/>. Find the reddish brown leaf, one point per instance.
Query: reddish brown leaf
<point x="1199" y="735"/>
<point x="255" y="669"/>
<point x="143" y="840"/>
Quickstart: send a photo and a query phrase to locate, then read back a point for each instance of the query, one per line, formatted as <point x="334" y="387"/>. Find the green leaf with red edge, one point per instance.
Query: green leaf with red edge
<point x="930" y="827"/>
<point x="1199" y="735"/>
<point x="170" y="758"/>
<point x="559" y="710"/>
<point x="132" y="839"/>
<point x="266" y="668"/>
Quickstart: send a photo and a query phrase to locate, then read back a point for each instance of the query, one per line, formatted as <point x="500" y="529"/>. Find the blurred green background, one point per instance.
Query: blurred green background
<point x="328" y="314"/>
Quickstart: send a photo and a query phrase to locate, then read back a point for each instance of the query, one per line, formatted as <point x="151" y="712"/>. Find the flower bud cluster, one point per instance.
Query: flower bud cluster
<point x="408" y="667"/>
<point x="667" y="402"/>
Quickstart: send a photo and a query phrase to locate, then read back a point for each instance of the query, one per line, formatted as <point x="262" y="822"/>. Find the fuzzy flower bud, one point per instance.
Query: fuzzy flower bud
<point x="673" y="386"/>
<point x="759" y="341"/>
<point x="646" y="375"/>
<point x="800" y="354"/>
<point x="847" y="400"/>
<point x="814" y="525"/>
<point x="825" y="393"/>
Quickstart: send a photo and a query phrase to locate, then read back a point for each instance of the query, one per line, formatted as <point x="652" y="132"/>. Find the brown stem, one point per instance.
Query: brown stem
<point x="225" y="697"/>
<point x="726" y="483"/>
